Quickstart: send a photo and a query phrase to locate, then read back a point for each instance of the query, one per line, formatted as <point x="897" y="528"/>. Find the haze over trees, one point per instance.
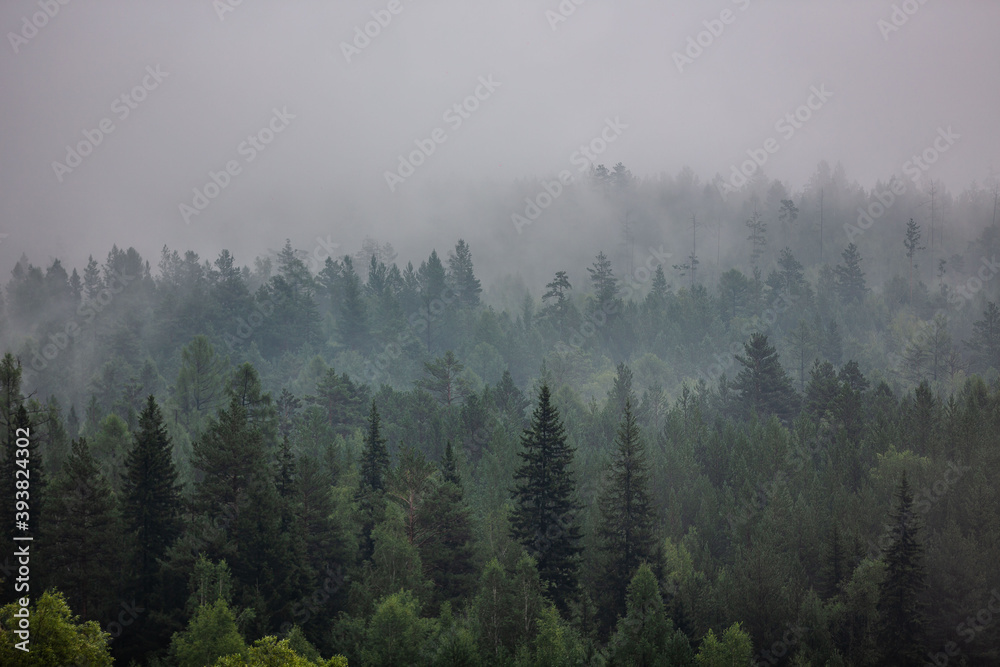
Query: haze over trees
<point x="776" y="453"/>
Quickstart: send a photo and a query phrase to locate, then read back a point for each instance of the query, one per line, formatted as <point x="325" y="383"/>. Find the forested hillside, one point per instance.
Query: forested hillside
<point x="761" y="429"/>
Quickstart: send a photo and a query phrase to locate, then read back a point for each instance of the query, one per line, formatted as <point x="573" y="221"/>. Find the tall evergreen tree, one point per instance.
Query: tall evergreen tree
<point x="461" y="277"/>
<point x="604" y="282"/>
<point x="83" y="536"/>
<point x="850" y="279"/>
<point x="371" y="487"/>
<point x="151" y="497"/>
<point x="763" y="384"/>
<point x="446" y="550"/>
<point x="626" y="525"/>
<point x="544" y="518"/>
<point x="902" y="631"/>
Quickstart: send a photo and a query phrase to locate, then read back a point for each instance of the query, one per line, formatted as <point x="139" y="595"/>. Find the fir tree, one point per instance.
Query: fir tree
<point x="902" y="632"/>
<point x="461" y="277"/>
<point x="151" y="496"/>
<point x="544" y="517"/>
<point x="762" y="382"/>
<point x="626" y="525"/>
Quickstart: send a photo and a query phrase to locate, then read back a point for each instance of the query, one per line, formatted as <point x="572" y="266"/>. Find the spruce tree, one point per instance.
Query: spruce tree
<point x="151" y="496"/>
<point x="902" y="632"/>
<point x="544" y="517"/>
<point x="626" y="524"/>
<point x="371" y="487"/>
<point x="763" y="384"/>
<point x="462" y="277"/>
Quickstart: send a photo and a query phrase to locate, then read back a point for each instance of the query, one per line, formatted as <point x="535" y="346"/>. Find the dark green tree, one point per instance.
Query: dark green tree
<point x="84" y="536"/>
<point x="461" y="277"/>
<point x="446" y="550"/>
<point x="902" y="633"/>
<point x="371" y="486"/>
<point x="544" y="519"/>
<point x="850" y="279"/>
<point x="763" y="384"/>
<point x="151" y="498"/>
<point x="627" y="515"/>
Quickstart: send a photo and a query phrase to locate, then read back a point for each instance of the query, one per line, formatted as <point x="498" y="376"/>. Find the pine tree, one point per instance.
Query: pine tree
<point x="151" y="496"/>
<point x="544" y="517"/>
<point x="371" y="487"/>
<point x="626" y="525"/>
<point x="444" y="379"/>
<point x="850" y="279"/>
<point x="762" y="382"/>
<point x="461" y="277"/>
<point x="902" y="632"/>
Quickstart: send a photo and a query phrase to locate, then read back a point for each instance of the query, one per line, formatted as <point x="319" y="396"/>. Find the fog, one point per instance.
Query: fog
<point x="558" y="73"/>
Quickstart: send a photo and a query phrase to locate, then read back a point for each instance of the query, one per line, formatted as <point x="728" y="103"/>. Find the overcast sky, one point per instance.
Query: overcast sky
<point x="222" y="75"/>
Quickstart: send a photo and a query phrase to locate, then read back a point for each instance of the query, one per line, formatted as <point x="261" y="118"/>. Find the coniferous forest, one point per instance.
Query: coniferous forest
<point x="519" y="333"/>
<point x="783" y="453"/>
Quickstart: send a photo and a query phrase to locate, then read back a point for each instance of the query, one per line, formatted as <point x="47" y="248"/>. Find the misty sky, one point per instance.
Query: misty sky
<point x="323" y="173"/>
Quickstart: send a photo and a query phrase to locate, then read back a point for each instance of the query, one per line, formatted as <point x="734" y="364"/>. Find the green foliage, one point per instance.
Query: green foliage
<point x="396" y="634"/>
<point x="627" y="515"/>
<point x="734" y="648"/>
<point x="57" y="636"/>
<point x="211" y="634"/>
<point x="84" y="535"/>
<point x="544" y="517"/>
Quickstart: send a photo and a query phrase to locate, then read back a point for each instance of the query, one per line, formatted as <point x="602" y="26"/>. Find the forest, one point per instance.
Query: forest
<point x="757" y="428"/>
